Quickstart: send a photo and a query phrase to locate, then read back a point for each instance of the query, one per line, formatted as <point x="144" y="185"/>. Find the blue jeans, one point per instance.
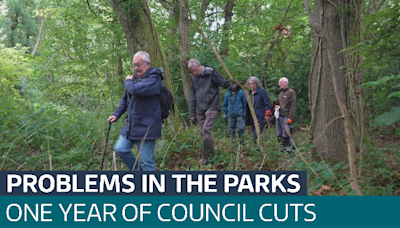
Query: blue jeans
<point x="123" y="149"/>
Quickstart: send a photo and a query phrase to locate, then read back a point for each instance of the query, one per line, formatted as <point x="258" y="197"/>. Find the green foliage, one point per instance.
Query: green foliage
<point x="72" y="136"/>
<point x="18" y="25"/>
<point x="13" y="68"/>
<point x="389" y="118"/>
<point x="392" y="116"/>
<point x="380" y="50"/>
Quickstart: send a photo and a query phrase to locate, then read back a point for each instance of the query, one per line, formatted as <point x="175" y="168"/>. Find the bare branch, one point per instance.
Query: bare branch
<point x="251" y="11"/>
<point x="287" y="10"/>
<point x="87" y="1"/>
<point x="378" y="6"/>
<point x="213" y="13"/>
<point x="166" y="4"/>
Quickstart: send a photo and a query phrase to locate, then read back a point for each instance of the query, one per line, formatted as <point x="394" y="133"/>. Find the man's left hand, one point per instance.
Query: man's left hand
<point x="129" y="77"/>
<point x="289" y="121"/>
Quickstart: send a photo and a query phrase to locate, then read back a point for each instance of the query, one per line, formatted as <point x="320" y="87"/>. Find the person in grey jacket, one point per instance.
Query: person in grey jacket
<point x="204" y="98"/>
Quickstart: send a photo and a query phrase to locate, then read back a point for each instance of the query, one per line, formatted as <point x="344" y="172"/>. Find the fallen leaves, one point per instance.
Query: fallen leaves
<point x="323" y="190"/>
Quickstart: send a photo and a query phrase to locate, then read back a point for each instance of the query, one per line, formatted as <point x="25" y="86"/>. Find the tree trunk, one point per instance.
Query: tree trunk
<point x="228" y="12"/>
<point x="330" y="44"/>
<point x="141" y="35"/>
<point x="326" y="119"/>
<point x="351" y="36"/>
<point x="14" y="24"/>
<point x="203" y="9"/>
<point x="41" y="20"/>
<point x="184" y="48"/>
<point x="119" y="63"/>
<point x="173" y="16"/>
<point x="119" y="70"/>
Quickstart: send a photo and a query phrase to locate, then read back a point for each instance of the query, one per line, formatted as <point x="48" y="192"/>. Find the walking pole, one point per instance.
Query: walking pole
<point x="105" y="148"/>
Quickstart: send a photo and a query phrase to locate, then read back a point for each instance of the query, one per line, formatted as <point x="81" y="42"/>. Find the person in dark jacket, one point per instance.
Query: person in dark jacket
<point x="285" y="112"/>
<point x="204" y="99"/>
<point x="261" y="104"/>
<point x="141" y="101"/>
<point x="234" y="108"/>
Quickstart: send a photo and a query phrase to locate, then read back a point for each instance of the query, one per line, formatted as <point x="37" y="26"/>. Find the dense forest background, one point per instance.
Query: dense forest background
<point x="63" y="63"/>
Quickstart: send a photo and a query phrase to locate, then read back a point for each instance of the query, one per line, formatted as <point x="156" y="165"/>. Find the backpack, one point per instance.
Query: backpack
<point x="166" y="102"/>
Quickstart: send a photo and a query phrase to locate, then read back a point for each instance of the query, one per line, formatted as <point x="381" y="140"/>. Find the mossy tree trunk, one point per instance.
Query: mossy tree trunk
<point x="184" y="49"/>
<point x="341" y="21"/>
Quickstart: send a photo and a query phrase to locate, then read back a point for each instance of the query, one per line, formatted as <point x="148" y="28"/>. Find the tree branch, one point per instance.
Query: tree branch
<point x="166" y="4"/>
<point x="378" y="6"/>
<point x="88" y="4"/>
<point x="335" y="3"/>
<point x="213" y="13"/>
<point x="287" y="10"/>
<point x="258" y="6"/>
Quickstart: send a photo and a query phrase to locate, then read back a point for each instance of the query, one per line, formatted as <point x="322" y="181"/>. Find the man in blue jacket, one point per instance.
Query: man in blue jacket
<point x="234" y="108"/>
<point x="141" y="101"/>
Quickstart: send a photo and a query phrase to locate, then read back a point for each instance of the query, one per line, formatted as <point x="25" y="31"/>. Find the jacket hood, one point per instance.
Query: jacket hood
<point x="207" y="71"/>
<point x="154" y="70"/>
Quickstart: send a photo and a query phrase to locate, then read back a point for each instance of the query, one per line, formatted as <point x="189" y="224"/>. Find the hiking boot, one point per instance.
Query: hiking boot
<point x="241" y="137"/>
<point x="289" y="153"/>
<point x="280" y="141"/>
<point x="208" y="150"/>
<point x="211" y="149"/>
<point x="204" y="155"/>
<point x="286" y="147"/>
<point x="232" y="131"/>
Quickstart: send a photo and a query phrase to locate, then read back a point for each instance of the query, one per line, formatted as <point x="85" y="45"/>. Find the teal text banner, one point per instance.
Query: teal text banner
<point x="198" y="211"/>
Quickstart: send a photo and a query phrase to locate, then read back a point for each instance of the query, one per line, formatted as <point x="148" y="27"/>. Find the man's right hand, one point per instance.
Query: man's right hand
<point x="112" y="119"/>
<point x="276" y="106"/>
<point x="193" y="119"/>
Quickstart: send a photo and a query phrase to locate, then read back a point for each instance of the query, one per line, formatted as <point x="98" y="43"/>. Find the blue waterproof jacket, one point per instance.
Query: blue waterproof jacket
<point x="237" y="107"/>
<point x="141" y="99"/>
<point x="260" y="104"/>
